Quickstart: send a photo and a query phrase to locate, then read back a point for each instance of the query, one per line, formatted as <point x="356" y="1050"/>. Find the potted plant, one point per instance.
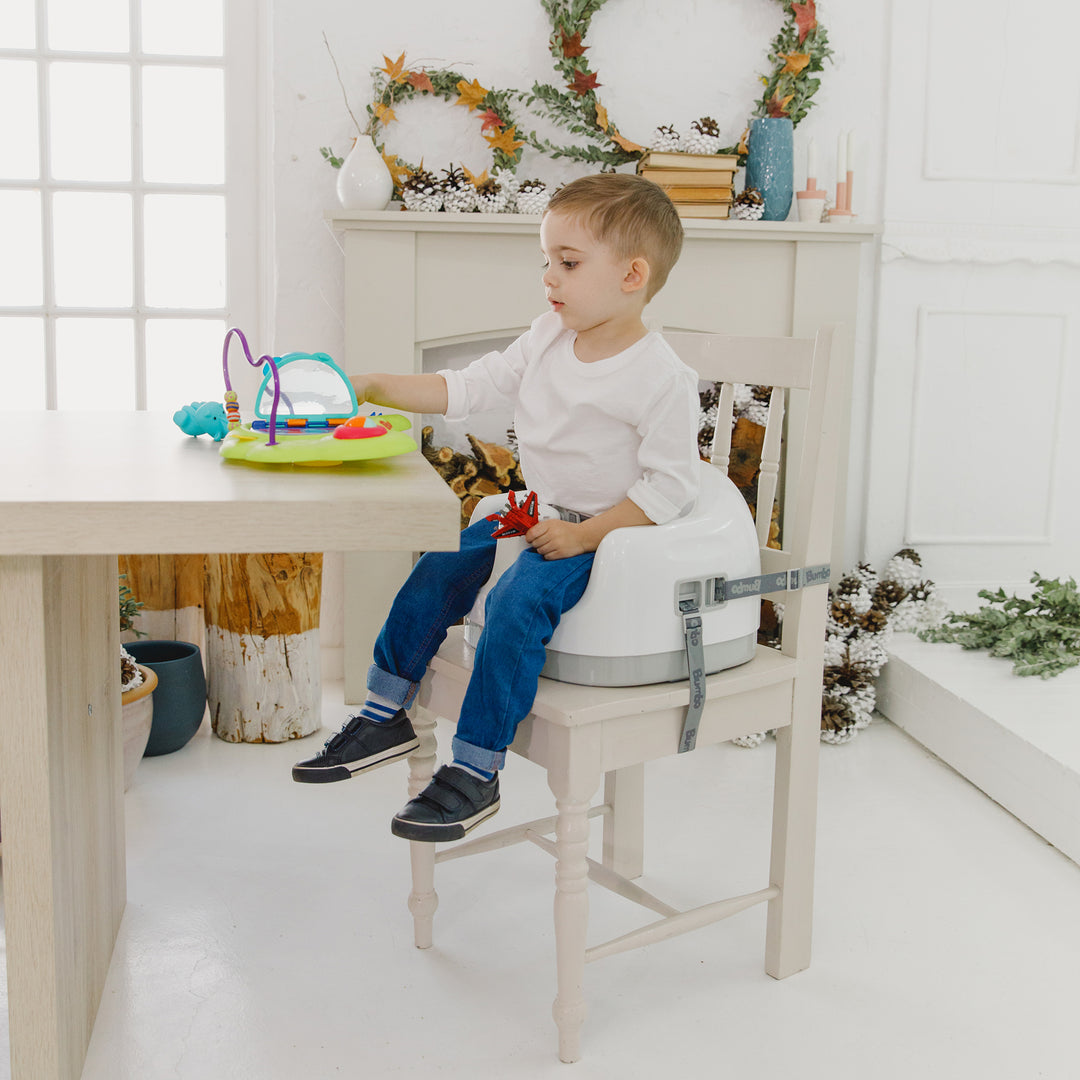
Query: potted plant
<point x="137" y="685"/>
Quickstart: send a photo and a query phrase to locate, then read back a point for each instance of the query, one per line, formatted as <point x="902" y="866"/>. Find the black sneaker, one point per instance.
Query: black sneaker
<point x="452" y="804"/>
<point x="361" y="744"/>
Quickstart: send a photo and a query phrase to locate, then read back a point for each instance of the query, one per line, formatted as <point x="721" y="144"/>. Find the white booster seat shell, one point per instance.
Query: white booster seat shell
<point x="628" y="629"/>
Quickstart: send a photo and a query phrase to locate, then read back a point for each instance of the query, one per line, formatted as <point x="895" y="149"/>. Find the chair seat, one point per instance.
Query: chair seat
<point x="638" y="722"/>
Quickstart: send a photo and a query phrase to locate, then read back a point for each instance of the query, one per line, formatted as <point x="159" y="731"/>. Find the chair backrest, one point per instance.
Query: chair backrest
<point x="802" y="420"/>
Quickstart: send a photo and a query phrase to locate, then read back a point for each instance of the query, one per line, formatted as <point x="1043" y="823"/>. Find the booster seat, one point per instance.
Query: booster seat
<point x="630" y="628"/>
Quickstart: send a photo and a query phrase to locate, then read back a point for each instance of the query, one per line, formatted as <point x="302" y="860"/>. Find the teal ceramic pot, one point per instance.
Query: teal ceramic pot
<point x="770" y="165"/>
<point x="180" y="697"/>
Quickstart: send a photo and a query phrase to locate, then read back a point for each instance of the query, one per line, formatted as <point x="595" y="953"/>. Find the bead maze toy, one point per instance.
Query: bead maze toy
<point x="306" y="413"/>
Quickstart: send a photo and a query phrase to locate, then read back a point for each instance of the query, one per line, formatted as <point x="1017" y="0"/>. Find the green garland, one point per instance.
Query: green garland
<point x="395" y="84"/>
<point x="1041" y="635"/>
<point x="796" y="54"/>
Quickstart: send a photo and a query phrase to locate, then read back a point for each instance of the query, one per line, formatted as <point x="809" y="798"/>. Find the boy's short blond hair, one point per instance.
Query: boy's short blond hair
<point x="630" y="215"/>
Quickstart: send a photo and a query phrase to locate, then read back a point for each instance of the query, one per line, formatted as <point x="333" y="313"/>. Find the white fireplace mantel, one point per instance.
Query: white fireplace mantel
<point x="418" y="280"/>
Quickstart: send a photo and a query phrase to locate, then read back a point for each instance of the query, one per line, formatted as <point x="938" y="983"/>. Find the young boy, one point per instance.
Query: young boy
<point x="606" y="421"/>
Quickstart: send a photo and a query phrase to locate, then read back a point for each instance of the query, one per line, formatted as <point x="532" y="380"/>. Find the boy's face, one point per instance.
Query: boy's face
<point x="585" y="284"/>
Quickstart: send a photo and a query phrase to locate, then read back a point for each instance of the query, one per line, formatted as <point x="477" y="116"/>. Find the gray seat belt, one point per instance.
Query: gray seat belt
<point x="724" y="590"/>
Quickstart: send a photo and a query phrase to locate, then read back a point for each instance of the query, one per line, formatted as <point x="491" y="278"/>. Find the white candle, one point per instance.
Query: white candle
<point x="850" y="152"/>
<point x="841" y="158"/>
<point x="811" y="159"/>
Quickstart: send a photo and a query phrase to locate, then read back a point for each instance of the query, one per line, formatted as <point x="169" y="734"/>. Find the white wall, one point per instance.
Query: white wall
<point x="669" y="63"/>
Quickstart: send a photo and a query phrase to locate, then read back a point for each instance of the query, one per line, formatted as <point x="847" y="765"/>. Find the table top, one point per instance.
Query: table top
<point x="101" y="483"/>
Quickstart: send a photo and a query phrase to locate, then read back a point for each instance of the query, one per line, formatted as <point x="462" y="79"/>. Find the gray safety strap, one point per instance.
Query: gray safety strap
<point x="695" y="665"/>
<point x="785" y="581"/>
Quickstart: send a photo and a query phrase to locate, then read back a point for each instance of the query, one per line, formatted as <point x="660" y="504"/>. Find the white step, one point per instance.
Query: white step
<point x="1017" y="739"/>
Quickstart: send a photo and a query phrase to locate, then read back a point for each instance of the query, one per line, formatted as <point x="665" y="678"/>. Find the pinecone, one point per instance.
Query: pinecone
<point x="704" y="137"/>
<point x="665" y="137"/>
<point x="905" y="568"/>
<point x="757" y="414"/>
<point x="842" y="618"/>
<point x="507" y="181"/>
<point x="749" y="742"/>
<point x="749" y="206"/>
<point x="491" y="198"/>
<point x="422" y="192"/>
<point x="532" y="197"/>
<point x="130" y="675"/>
<point x="867" y="575"/>
<point x="459" y="195"/>
<point x="888" y="594"/>
<point x="743" y="397"/>
<point x="854" y="592"/>
<point x="835" y="716"/>
<point x="874" y="621"/>
<point x="861" y="705"/>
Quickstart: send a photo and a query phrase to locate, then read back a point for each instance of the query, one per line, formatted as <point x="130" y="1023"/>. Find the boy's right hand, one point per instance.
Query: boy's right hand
<point x="407" y="393"/>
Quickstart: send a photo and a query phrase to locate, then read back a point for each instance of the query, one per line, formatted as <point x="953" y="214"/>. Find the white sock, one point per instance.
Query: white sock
<point x="379" y="709"/>
<point x="472" y="770"/>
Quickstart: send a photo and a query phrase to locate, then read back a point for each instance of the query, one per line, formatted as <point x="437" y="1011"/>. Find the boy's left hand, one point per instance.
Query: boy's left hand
<point x="558" y="539"/>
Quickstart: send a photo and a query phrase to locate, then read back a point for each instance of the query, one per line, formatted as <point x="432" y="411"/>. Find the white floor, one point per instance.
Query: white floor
<point x="266" y="934"/>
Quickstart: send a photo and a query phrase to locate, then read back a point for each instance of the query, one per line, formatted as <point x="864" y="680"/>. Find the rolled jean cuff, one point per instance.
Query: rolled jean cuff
<point x="392" y="687"/>
<point x="477" y="756"/>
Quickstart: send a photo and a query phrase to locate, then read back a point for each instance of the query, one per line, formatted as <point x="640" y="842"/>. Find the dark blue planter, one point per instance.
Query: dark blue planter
<point x="770" y="166"/>
<point x="180" y="697"/>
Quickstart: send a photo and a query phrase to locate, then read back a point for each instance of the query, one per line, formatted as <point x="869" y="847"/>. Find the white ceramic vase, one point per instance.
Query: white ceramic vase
<point x="364" y="181"/>
<point x="137" y="712"/>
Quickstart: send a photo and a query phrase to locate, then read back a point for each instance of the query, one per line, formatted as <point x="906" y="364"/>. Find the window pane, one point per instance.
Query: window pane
<point x="184" y="125"/>
<point x="19" y="125"/>
<point x="193" y="28"/>
<point x="95" y="364"/>
<point x="17" y="24"/>
<point x="91" y="121"/>
<point x="185" y="251"/>
<point x="183" y="362"/>
<point x="22" y="364"/>
<point x="92" y="244"/>
<point x="101" y="26"/>
<point x="20" y="266"/>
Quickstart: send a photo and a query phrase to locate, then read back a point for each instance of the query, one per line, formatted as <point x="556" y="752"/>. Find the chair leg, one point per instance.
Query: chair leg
<point x="624" y="827"/>
<point x="789" y="924"/>
<point x="573" y="788"/>
<point x="423" y="900"/>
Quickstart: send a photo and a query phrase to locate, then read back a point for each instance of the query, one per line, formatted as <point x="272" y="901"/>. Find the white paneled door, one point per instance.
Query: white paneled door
<point x="974" y="444"/>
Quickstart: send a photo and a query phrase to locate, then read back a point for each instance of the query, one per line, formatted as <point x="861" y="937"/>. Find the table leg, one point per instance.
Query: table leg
<point x="61" y="797"/>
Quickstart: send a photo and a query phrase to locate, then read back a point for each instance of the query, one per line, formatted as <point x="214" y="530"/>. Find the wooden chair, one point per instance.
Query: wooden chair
<point x="582" y="734"/>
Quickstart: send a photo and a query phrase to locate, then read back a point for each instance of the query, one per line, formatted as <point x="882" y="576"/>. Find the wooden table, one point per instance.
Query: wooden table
<point x="76" y="489"/>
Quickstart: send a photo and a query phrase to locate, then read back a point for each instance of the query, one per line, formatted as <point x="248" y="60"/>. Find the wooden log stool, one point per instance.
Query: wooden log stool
<point x="263" y="670"/>
<point x="170" y="588"/>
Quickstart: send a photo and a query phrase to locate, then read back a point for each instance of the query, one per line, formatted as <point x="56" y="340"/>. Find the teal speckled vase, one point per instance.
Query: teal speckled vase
<point x="770" y="166"/>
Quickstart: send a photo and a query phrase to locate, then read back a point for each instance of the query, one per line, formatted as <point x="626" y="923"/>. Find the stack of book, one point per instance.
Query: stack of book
<point x="700" y="185"/>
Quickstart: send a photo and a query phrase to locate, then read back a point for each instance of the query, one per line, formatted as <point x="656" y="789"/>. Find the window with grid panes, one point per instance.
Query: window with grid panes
<point x="127" y="182"/>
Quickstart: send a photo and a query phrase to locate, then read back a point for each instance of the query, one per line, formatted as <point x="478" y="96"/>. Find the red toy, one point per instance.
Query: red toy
<point x="515" y="520"/>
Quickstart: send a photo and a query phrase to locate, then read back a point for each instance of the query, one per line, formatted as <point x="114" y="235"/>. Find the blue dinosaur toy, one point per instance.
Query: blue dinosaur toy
<point x="203" y="418"/>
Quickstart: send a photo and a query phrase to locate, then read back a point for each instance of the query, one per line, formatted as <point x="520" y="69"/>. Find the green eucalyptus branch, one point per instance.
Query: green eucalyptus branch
<point x="1041" y="635"/>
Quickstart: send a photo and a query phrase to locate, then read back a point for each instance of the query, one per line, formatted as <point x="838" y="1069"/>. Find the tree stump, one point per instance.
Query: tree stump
<point x="263" y="670"/>
<point x="170" y="588"/>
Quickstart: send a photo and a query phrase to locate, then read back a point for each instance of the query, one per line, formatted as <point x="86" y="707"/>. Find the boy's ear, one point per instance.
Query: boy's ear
<point x="637" y="276"/>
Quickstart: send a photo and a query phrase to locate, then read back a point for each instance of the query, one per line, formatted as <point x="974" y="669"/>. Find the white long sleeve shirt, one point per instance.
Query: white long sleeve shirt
<point x="591" y="435"/>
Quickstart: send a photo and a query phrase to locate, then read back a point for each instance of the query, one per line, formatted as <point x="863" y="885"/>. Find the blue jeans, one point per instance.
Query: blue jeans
<point x="520" y="615"/>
